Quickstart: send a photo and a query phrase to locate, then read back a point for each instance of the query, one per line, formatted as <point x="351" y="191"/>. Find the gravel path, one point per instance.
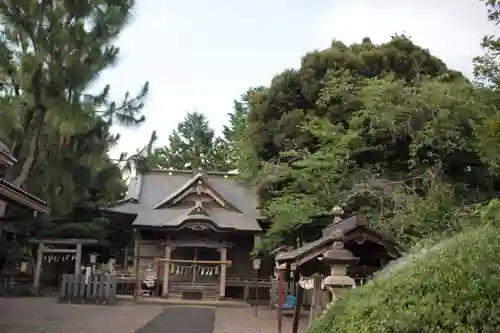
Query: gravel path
<point x="237" y="320"/>
<point x="181" y="320"/>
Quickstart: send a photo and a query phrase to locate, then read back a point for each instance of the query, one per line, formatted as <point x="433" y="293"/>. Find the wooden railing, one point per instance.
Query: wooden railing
<point x="251" y="288"/>
<point x="248" y="281"/>
<point x="95" y="289"/>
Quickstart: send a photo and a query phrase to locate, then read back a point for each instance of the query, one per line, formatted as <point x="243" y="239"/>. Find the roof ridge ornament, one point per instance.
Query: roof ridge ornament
<point x="338" y="254"/>
<point x="338" y="213"/>
<point x="338" y="238"/>
<point x="198" y="204"/>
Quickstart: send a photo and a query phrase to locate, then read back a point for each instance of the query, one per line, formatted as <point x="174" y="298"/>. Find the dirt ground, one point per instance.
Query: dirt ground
<point x="45" y="315"/>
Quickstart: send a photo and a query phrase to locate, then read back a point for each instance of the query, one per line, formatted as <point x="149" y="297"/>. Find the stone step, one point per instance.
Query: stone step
<point x="196" y="287"/>
<point x="205" y="296"/>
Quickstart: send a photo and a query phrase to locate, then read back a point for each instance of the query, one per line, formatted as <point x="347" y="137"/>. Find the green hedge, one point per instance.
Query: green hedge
<point x="453" y="287"/>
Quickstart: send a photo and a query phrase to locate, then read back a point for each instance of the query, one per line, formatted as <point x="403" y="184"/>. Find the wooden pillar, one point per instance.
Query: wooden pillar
<point x="78" y="259"/>
<point x="281" y="298"/>
<point x="166" y="269"/>
<point x="125" y="261"/>
<point x="136" y="249"/>
<point x="223" y="272"/>
<point x="298" y="307"/>
<point x="38" y="268"/>
<point x="137" y="272"/>
<point x="316" y="298"/>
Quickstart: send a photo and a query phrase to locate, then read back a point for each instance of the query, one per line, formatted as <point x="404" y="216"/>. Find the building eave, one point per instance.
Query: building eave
<point x="6" y="159"/>
<point x="12" y="193"/>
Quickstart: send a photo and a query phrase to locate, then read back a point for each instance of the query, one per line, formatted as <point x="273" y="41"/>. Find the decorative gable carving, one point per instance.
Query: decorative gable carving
<point x="198" y="219"/>
<point x="196" y="189"/>
<point x="197" y="226"/>
<point x="191" y="198"/>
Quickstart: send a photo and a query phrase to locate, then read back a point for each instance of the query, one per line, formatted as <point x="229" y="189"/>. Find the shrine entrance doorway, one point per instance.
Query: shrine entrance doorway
<point x="196" y="271"/>
<point x="197" y="266"/>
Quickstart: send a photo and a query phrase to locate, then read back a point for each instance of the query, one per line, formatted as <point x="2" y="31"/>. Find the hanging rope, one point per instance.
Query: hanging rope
<point x="191" y="269"/>
<point x="58" y="258"/>
<point x="196" y="262"/>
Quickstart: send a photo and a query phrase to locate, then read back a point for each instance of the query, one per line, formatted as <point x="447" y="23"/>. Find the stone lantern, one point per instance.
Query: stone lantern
<point x="338" y="258"/>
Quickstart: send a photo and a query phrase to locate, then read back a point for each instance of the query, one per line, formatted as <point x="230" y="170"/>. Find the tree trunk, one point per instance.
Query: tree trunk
<point x="28" y="164"/>
<point x="33" y="151"/>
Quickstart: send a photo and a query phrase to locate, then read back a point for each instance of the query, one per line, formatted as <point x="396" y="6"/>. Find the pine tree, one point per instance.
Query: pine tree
<point x="51" y="51"/>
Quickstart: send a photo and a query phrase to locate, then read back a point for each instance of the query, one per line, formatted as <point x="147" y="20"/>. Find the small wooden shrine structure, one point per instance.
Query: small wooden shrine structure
<point x="369" y="250"/>
<point x="51" y="247"/>
<point x="374" y="249"/>
<point x="194" y="232"/>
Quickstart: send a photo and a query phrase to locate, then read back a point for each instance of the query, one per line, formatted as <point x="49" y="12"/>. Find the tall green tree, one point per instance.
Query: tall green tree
<point x="51" y="52"/>
<point x="234" y="132"/>
<point x="192" y="145"/>
<point x="487" y="66"/>
<point x="487" y="72"/>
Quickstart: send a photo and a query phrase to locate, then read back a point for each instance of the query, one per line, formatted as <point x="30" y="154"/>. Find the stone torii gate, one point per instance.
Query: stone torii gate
<point x="45" y="246"/>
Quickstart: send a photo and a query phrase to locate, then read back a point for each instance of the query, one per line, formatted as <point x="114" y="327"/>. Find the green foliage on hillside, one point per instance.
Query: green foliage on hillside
<point x="451" y="287"/>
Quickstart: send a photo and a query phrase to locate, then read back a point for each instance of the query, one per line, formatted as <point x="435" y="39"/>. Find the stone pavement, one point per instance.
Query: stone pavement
<point x="45" y="315"/>
<point x="181" y="320"/>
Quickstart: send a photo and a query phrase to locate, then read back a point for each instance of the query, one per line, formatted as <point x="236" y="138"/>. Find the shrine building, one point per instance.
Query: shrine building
<point x="194" y="231"/>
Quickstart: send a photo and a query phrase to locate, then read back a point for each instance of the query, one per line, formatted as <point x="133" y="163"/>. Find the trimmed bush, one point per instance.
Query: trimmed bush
<point x="452" y="287"/>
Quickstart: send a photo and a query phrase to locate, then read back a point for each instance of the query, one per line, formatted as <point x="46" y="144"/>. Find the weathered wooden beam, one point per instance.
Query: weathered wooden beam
<point x="65" y="241"/>
<point x="143" y="257"/>
<point x="49" y="250"/>
<point x="222" y="262"/>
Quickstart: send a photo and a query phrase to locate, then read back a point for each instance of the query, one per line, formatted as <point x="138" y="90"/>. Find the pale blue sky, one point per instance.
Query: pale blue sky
<point x="201" y="55"/>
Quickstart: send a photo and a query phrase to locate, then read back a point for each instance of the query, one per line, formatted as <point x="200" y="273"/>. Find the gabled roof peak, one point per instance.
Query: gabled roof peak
<point x="197" y="180"/>
<point x="195" y="172"/>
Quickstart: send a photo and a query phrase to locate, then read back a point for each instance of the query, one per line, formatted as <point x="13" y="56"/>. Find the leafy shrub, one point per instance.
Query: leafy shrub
<point x="452" y="287"/>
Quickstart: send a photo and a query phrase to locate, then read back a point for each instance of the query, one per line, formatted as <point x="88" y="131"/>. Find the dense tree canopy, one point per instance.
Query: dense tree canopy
<point x="383" y="129"/>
